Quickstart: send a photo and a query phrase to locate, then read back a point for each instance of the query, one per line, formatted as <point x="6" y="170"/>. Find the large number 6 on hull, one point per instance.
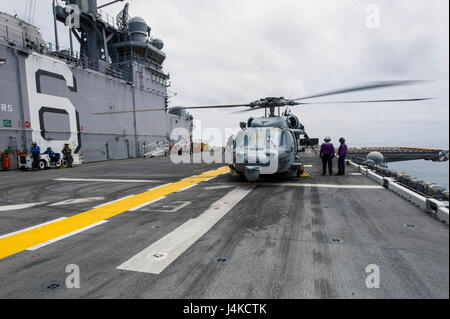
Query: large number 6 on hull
<point x="40" y="103"/>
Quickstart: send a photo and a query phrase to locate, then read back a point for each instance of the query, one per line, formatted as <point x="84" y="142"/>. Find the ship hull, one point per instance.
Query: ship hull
<point x="52" y="102"/>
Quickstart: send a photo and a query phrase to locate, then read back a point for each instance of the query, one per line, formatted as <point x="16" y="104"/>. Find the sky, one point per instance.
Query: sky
<point x="237" y="51"/>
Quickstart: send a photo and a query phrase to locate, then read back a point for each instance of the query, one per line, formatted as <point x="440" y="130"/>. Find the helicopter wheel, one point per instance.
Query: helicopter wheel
<point x="235" y="174"/>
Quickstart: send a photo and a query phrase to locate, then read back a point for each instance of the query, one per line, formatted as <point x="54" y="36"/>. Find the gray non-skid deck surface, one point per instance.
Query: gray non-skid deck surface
<point x="277" y="241"/>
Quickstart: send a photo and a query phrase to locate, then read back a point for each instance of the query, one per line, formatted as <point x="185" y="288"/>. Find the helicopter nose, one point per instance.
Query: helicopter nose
<point x="283" y="154"/>
<point x="271" y="154"/>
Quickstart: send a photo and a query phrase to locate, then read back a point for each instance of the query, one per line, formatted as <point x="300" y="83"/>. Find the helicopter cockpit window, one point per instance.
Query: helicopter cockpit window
<point x="282" y="138"/>
<point x="261" y="137"/>
<point x="290" y="140"/>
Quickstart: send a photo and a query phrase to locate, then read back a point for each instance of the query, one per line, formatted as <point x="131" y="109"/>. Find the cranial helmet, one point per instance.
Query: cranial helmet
<point x="327" y="139"/>
<point x="342" y="140"/>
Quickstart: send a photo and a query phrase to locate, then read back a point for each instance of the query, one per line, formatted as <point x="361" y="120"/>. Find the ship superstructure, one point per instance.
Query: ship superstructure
<point x="49" y="93"/>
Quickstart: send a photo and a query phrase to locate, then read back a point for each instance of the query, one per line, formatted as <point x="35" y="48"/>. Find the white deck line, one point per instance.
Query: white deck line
<point x="101" y="205"/>
<point x="145" y="204"/>
<point x="206" y="180"/>
<point x="324" y="185"/>
<point x="159" y="255"/>
<point x="77" y="201"/>
<point x="66" y="235"/>
<point x="190" y="186"/>
<point x="30" y="228"/>
<point x="106" y="180"/>
<point x="20" y="206"/>
<point x="156" y="187"/>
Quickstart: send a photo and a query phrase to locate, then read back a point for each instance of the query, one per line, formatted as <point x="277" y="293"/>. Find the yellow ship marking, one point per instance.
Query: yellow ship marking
<point x="22" y="241"/>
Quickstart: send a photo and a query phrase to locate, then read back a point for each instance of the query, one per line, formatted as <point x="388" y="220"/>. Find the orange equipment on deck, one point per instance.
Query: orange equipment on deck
<point x="6" y="159"/>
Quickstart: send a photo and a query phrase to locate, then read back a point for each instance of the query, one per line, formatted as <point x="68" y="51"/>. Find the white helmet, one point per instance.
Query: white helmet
<point x="327" y="139"/>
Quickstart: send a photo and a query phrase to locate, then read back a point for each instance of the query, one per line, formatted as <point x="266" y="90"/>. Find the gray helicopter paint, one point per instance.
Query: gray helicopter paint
<point x="255" y="160"/>
<point x="269" y="122"/>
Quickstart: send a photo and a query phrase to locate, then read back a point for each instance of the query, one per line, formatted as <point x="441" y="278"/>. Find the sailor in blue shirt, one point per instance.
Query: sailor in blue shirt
<point x="35" y="151"/>
<point x="54" y="157"/>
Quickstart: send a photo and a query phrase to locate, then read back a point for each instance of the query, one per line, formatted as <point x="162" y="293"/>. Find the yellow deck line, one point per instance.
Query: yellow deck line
<point x="20" y="242"/>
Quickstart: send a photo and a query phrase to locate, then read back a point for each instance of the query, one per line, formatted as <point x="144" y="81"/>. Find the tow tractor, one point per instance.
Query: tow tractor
<point x="26" y="161"/>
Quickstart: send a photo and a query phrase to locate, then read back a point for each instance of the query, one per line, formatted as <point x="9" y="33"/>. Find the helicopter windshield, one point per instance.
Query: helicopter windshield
<point x="261" y="137"/>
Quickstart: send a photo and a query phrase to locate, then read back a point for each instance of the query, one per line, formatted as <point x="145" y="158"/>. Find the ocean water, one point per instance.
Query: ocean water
<point x="425" y="170"/>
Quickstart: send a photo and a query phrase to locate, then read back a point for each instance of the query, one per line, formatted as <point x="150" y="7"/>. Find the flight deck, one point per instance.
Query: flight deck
<point x="148" y="228"/>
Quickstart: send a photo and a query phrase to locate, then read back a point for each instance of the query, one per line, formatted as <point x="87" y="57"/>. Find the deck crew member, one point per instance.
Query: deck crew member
<point x="342" y="153"/>
<point x="67" y="152"/>
<point x="35" y="151"/>
<point x="327" y="154"/>
<point x="54" y="157"/>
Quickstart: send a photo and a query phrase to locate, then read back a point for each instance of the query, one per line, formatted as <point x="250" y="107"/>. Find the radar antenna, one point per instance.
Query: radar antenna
<point x="122" y="19"/>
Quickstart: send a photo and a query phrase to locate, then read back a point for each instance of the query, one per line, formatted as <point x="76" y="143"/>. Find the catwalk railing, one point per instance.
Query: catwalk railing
<point x="393" y="154"/>
<point x="428" y="189"/>
<point x="117" y="65"/>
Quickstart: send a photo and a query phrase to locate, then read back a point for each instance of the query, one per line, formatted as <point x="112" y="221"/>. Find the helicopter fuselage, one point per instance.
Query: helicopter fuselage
<point x="269" y="145"/>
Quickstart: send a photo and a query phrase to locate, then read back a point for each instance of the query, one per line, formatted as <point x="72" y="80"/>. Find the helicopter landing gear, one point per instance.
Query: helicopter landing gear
<point x="234" y="173"/>
<point x="251" y="175"/>
<point x="301" y="171"/>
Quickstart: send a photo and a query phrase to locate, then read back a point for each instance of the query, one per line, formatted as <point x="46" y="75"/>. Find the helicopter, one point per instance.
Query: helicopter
<point x="272" y="144"/>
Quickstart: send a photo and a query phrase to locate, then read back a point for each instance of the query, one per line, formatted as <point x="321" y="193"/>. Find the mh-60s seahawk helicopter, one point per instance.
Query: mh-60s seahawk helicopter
<point x="271" y="144"/>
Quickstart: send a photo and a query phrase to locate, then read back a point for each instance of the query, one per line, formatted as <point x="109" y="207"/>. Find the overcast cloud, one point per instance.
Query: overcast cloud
<point x="236" y="51"/>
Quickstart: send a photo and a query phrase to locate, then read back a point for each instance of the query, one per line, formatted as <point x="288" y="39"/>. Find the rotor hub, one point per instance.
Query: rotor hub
<point x="270" y="102"/>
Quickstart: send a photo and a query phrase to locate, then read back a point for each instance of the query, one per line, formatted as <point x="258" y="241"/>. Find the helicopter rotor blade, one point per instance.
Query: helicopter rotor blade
<point x="128" y="111"/>
<point x="248" y="110"/>
<point x="364" y="87"/>
<point x="174" y="108"/>
<point x="345" y="102"/>
<point x="368" y="101"/>
<point x="214" y="106"/>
